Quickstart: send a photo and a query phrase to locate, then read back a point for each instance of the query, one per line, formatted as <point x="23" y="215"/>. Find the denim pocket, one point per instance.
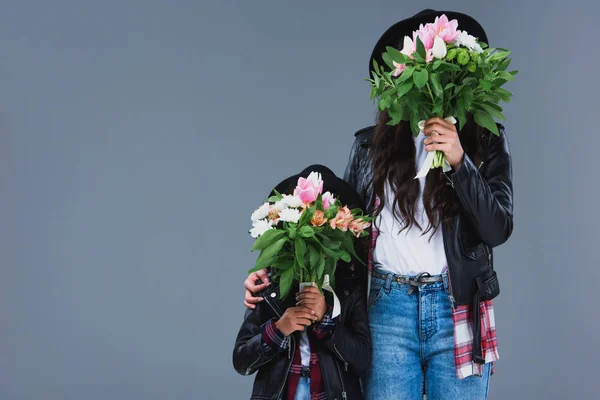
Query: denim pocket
<point x="375" y="295"/>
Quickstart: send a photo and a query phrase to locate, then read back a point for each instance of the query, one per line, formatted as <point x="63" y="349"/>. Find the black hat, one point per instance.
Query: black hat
<point x="394" y="36"/>
<point x="331" y="183"/>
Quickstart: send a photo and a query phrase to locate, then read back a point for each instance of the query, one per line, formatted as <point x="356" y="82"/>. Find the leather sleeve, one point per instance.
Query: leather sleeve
<point x="350" y="174"/>
<point x="487" y="197"/>
<point x="249" y="352"/>
<point x="351" y="339"/>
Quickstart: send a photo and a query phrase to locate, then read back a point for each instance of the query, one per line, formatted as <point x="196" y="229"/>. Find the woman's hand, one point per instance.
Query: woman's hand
<point x="311" y="298"/>
<point x="252" y="287"/>
<point x="295" y="319"/>
<point x="442" y="136"/>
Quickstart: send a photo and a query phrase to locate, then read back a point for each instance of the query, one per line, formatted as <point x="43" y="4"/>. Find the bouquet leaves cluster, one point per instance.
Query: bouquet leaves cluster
<point x="442" y="72"/>
<point x="303" y="235"/>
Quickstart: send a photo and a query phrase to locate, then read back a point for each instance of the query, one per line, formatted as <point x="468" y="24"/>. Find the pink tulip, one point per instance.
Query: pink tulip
<point x="426" y="34"/>
<point x="445" y="29"/>
<point x="328" y="200"/>
<point x="308" y="189"/>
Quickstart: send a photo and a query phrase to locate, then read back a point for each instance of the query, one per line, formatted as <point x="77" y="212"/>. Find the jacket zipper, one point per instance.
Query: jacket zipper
<point x="341" y="358"/>
<point x="450" y="289"/>
<point x="291" y="345"/>
<point x="337" y="367"/>
<point x="289" y="365"/>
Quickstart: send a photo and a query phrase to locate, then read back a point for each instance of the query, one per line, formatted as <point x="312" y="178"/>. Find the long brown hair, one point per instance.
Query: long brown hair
<point x="392" y="158"/>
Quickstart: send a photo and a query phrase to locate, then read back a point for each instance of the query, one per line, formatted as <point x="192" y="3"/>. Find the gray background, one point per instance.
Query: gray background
<point x="137" y="136"/>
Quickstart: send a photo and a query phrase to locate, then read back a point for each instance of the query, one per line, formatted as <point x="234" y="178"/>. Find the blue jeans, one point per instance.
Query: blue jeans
<point x="413" y="343"/>
<point x="303" y="390"/>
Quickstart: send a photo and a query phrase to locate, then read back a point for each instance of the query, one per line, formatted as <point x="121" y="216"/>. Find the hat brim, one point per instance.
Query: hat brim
<point x="394" y="36"/>
<point x="331" y="183"/>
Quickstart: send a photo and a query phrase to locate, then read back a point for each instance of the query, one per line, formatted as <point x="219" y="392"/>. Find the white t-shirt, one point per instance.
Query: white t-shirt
<point x="409" y="252"/>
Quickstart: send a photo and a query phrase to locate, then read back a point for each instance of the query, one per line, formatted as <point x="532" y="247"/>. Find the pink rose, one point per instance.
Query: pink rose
<point x="445" y="29"/>
<point x="308" y="189"/>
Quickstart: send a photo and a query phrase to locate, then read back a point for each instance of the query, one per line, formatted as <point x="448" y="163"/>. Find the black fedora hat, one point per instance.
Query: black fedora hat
<point x="394" y="36"/>
<point x="331" y="183"/>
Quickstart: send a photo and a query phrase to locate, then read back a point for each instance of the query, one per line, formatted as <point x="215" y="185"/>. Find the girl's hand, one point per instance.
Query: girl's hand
<point x="442" y="136"/>
<point x="311" y="298"/>
<point x="295" y="319"/>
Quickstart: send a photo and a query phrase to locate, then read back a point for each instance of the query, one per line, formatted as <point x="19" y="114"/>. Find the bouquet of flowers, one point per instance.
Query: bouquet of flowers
<point x="303" y="235"/>
<point x="442" y="72"/>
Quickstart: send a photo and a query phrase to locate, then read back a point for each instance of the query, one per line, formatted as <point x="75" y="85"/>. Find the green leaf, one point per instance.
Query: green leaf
<point x="388" y="60"/>
<point x="285" y="282"/>
<point x="505" y="95"/>
<point x="404" y="88"/>
<point x="314" y="255"/>
<point x="375" y="65"/>
<point x="436" y="86"/>
<point x="320" y="266"/>
<point x="346" y="257"/>
<point x="300" y="251"/>
<point x="485" y="120"/>
<point x="493" y="111"/>
<point x="307" y="231"/>
<point x="267" y="239"/>
<point x="307" y="215"/>
<point x="467" y="96"/>
<point x="397" y="56"/>
<point x="268" y="254"/>
<point x="499" y="55"/>
<point x="293" y="231"/>
<point x="421" y="48"/>
<point x="486" y="85"/>
<point x="418" y="58"/>
<point x="406" y="74"/>
<point x="420" y="78"/>
<point x="283" y="263"/>
<point x="441" y="66"/>
<point x="506" y="75"/>
<point x="395" y="112"/>
<point x="372" y="94"/>
<point x="348" y="244"/>
<point x="450" y="86"/>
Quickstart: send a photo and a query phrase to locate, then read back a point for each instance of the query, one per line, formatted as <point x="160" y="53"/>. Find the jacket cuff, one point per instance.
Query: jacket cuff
<point x="464" y="172"/>
<point x="324" y="328"/>
<point x="272" y="338"/>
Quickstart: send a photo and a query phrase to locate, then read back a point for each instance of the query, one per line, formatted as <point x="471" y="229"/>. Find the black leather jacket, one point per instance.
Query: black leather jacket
<point x="343" y="357"/>
<point x="485" y="219"/>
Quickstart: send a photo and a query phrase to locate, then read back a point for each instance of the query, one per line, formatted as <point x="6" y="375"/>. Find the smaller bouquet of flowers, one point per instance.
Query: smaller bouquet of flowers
<point x="303" y="235"/>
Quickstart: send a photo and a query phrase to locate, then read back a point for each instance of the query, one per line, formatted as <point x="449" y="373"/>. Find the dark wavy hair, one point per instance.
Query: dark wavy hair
<point x="393" y="161"/>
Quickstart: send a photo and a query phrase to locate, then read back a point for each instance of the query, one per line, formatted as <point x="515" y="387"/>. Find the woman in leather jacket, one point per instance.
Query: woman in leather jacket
<point x="432" y="275"/>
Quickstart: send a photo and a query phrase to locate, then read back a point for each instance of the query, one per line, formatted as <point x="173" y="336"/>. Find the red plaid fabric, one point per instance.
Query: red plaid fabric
<point x="274" y="340"/>
<point x="463" y="327"/>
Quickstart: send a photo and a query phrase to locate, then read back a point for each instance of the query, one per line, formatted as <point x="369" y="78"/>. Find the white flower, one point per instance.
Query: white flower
<point x="292" y="201"/>
<point x="260" y="227"/>
<point x="288" y="201"/>
<point x="468" y="41"/>
<point x="260" y="213"/>
<point x="439" y="48"/>
<point x="289" y="215"/>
